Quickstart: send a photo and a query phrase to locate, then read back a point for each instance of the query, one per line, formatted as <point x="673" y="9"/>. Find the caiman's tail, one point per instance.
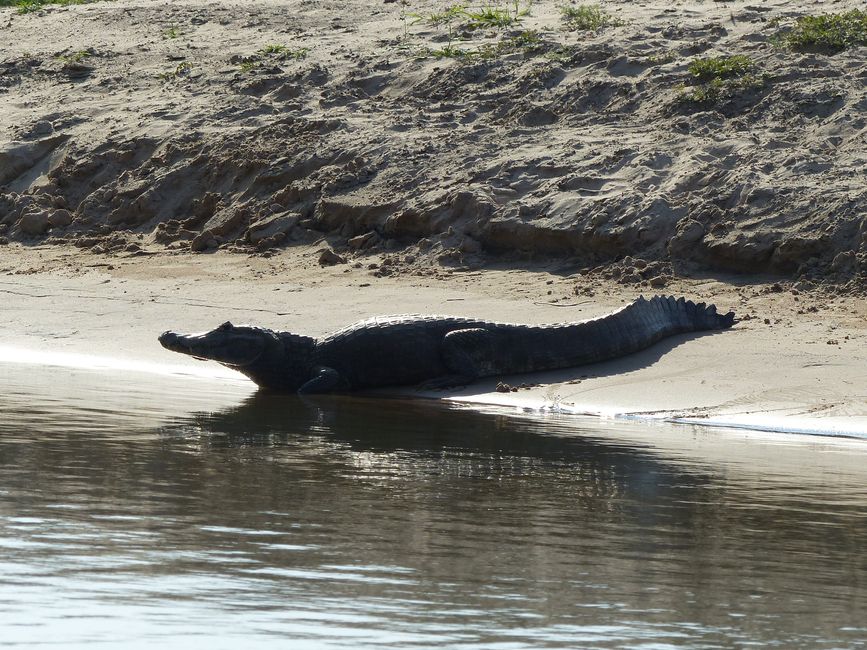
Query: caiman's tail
<point x="630" y="329"/>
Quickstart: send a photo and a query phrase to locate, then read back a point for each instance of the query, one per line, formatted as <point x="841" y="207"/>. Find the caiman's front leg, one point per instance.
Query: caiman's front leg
<point x="467" y="354"/>
<point x="324" y="380"/>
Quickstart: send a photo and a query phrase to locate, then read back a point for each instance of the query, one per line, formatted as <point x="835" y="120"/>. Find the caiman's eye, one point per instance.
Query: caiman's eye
<point x="225" y="326"/>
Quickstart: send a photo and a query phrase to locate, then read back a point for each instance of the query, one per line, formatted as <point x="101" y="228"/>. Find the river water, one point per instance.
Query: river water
<point x="139" y="511"/>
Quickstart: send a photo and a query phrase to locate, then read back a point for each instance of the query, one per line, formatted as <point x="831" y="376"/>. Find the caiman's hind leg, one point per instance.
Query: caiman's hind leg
<point x="467" y="354"/>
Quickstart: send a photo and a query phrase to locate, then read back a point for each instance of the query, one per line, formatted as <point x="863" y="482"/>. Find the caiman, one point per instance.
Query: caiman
<point x="438" y="351"/>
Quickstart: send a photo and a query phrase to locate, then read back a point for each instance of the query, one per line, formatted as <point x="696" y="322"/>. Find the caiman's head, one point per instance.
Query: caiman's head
<point x="278" y="361"/>
<point x="236" y="347"/>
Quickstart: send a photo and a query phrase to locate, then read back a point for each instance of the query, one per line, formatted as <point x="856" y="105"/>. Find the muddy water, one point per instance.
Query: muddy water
<point x="164" y="512"/>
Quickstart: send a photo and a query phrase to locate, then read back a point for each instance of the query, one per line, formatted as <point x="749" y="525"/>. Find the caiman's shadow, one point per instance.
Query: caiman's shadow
<point x="618" y="366"/>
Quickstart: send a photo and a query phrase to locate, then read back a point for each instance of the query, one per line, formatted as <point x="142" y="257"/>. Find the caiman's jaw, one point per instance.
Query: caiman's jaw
<point x="230" y="345"/>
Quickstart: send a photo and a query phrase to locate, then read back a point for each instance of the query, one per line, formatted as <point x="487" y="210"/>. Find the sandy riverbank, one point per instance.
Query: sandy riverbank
<point x="176" y="165"/>
<point x="798" y="363"/>
<point x="412" y="127"/>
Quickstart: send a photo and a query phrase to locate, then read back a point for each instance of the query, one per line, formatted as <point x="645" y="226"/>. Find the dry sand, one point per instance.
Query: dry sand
<point x="804" y="369"/>
<point x="161" y="168"/>
<point x="169" y="124"/>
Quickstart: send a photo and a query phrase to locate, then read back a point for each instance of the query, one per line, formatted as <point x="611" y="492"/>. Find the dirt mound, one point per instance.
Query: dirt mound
<point x="198" y="126"/>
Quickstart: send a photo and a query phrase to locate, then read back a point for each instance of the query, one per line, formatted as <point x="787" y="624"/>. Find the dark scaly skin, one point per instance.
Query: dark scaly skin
<point x="439" y="352"/>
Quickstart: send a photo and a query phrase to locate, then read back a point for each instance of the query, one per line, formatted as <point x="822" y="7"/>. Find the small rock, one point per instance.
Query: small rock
<point x="844" y="262"/>
<point x="767" y="321"/>
<point x="34" y="223"/>
<point x="658" y="282"/>
<point x="42" y="128"/>
<point x="203" y="242"/>
<point x="503" y="388"/>
<point x="60" y="218"/>
<point x="329" y="258"/>
<point x="4" y="241"/>
<point x="363" y="241"/>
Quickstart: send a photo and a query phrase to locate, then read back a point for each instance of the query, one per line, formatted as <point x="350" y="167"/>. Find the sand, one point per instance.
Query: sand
<point x="174" y="165"/>
<point x="798" y="364"/>
<point x="254" y="125"/>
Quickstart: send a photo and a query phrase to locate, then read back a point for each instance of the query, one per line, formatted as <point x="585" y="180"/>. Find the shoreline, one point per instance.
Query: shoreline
<point x="779" y="375"/>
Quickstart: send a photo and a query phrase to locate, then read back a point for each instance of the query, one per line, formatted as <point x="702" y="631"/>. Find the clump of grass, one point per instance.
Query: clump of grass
<point x="528" y="40"/>
<point x="828" y="32"/>
<point x="30" y="6"/>
<point x="489" y="17"/>
<point x="588" y="18"/>
<point x="721" y="67"/>
<point x="284" y="52"/>
<point x="485" y="17"/>
<point x="269" y="52"/>
<point x="182" y="69"/>
<point x="660" y="59"/>
<point x="172" y="32"/>
<point x="439" y="18"/>
<point x="450" y="52"/>
<point x="75" y="57"/>
<point x="721" y="77"/>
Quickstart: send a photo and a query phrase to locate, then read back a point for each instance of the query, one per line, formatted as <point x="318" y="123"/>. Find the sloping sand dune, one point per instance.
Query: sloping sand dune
<point x="255" y="125"/>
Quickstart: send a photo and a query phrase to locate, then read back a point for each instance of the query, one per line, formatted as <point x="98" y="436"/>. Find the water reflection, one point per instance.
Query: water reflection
<point x="190" y="511"/>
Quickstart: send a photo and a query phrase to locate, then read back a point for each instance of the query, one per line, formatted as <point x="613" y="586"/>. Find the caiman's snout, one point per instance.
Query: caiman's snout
<point x="227" y="344"/>
<point x="171" y="341"/>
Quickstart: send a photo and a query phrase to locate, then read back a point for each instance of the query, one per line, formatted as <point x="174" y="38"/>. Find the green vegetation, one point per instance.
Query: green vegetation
<point x="721" y="77"/>
<point x="30" y="6"/>
<point x="485" y="17"/>
<point x="172" y="32"/>
<point x="450" y="52"/>
<point x="489" y="17"/>
<point x="660" y="59"/>
<point x="721" y="67"/>
<point x="270" y="52"/>
<point x="283" y="52"/>
<point x="75" y="57"/>
<point x="439" y="18"/>
<point x="528" y="42"/>
<point x="828" y="32"/>
<point x="590" y="18"/>
<point x="180" y="70"/>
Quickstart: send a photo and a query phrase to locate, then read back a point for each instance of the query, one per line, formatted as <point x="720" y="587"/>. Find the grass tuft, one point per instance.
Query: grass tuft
<point x="588" y="18"/>
<point x="828" y="32"/>
<point x="283" y="52"/>
<point x="490" y="17"/>
<point x="439" y="18"/>
<point x="721" y="77"/>
<point x="75" y="57"/>
<point x="31" y="6"/>
<point x="181" y="70"/>
<point x="721" y="67"/>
